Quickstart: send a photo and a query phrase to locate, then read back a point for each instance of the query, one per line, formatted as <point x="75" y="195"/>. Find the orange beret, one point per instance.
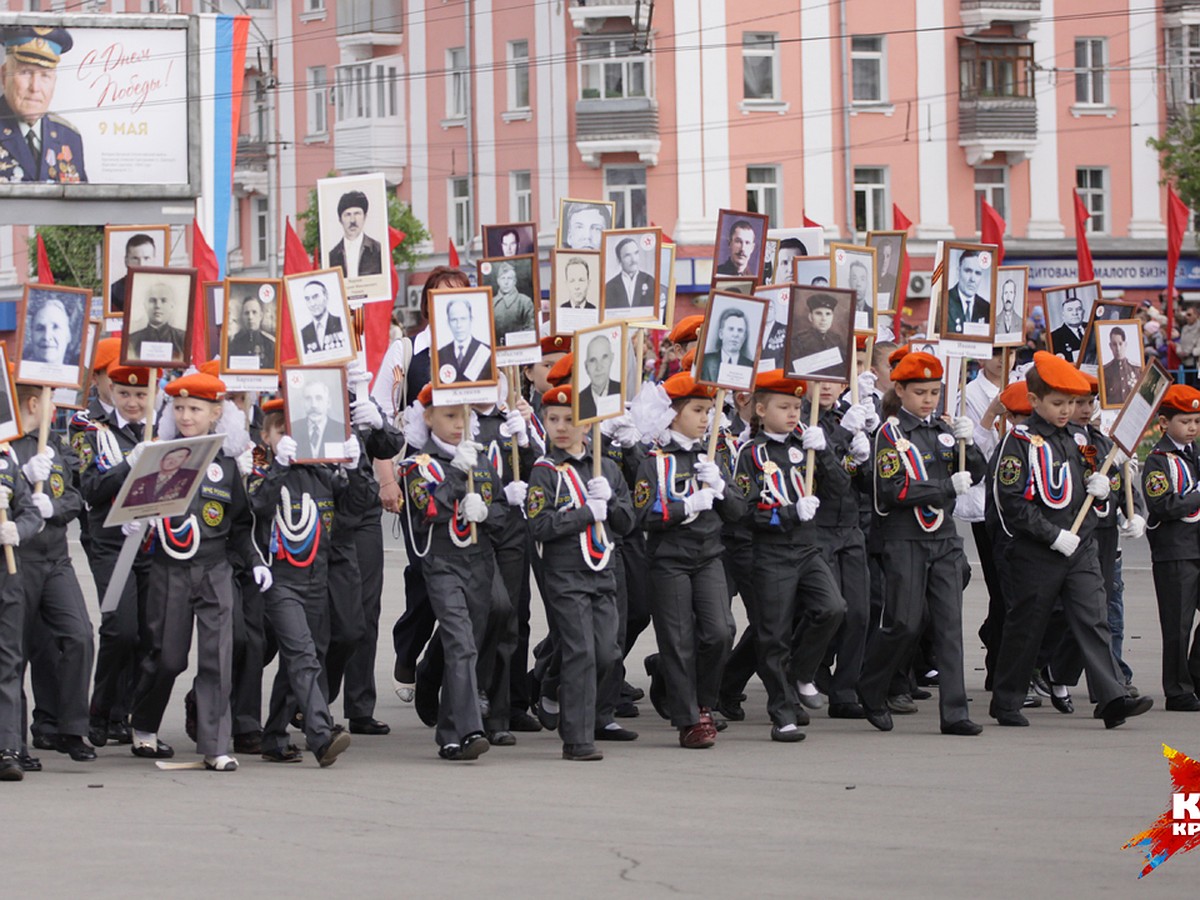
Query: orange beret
<point x="860" y="341"/>
<point x="898" y="354"/>
<point x="107" y="351"/>
<point x="918" y="366"/>
<point x="211" y="367"/>
<point x="425" y="398"/>
<point x="776" y="382"/>
<point x="684" y="385"/>
<point x="686" y="329"/>
<point x="1181" y="398"/>
<point x="1093" y="382"/>
<point x="557" y="396"/>
<point x="130" y="375"/>
<point x="198" y="386"/>
<point x="560" y="372"/>
<point x="556" y="343"/>
<point x="1015" y="398"/>
<point x="689" y="361"/>
<point x="1060" y="375"/>
<point x="275" y="404"/>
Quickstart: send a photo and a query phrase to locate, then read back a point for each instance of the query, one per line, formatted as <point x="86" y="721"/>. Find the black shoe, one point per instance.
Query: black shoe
<point x="582" y="753"/>
<point x="928" y="680"/>
<point x="369" y="725"/>
<point x="1062" y="704"/>
<point x="1116" y="712"/>
<point x="520" y="720"/>
<point x="29" y="763"/>
<point x="880" y="718"/>
<point x="629" y="692"/>
<point x="1041" y="684"/>
<point x="658" y="690"/>
<point x="846" y="711"/>
<point x="794" y="736"/>
<point x="501" y="738"/>
<point x="161" y="750"/>
<point x="1031" y="701"/>
<point x="615" y="734"/>
<point x="901" y="704"/>
<point x="920" y="694"/>
<point x="249" y="743"/>
<point x="119" y="733"/>
<point x="1010" y="718"/>
<point x="189" y="715"/>
<point x="474" y="745"/>
<point x="46" y="741"/>
<point x="452" y="752"/>
<point x="548" y="719"/>
<point x="75" y="747"/>
<point x="97" y="733"/>
<point x="626" y="709"/>
<point x="802" y="716"/>
<point x="289" y="754"/>
<point x="10" y="766"/>
<point x="337" y="744"/>
<point x="1183" y="703"/>
<point x="425" y="702"/>
<point x="964" y="727"/>
<point x="731" y="709"/>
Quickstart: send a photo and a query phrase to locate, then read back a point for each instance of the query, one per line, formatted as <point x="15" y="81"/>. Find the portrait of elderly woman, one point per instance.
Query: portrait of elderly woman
<point x="52" y="336"/>
<point x="513" y="289"/>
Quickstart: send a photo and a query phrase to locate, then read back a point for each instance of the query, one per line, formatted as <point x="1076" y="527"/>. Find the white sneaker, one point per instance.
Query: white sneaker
<point x="223" y="763"/>
<point x="405" y="692"/>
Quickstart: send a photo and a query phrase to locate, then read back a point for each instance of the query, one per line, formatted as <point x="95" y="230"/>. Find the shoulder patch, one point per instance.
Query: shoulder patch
<point x="57" y="486"/>
<point x="1157" y="484"/>
<point x="1009" y="470"/>
<point x="536" y="501"/>
<point x="485" y="490"/>
<point x="742" y="480"/>
<point x="641" y="493"/>
<point x="82" y="448"/>
<point x="420" y="496"/>
<point x="887" y="461"/>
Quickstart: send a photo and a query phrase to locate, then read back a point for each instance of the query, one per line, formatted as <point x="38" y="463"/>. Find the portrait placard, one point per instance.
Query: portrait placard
<point x="316" y="412"/>
<point x="71" y="398"/>
<point x="820" y="335"/>
<point x="515" y="299"/>
<point x="811" y="271"/>
<point x="1068" y="310"/>
<point x="793" y="244"/>
<point x="461" y="330"/>
<point x="730" y="341"/>
<point x="512" y="239"/>
<point x="1102" y="311"/>
<point x="320" y="317"/>
<point x="129" y="246"/>
<point x="214" y="315"/>
<point x="597" y="378"/>
<point x="854" y="268"/>
<point x="1012" y="291"/>
<point x="890" y="248"/>
<point x="51" y="336"/>
<point x="1121" y="355"/>
<point x="629" y="266"/>
<point x="739" y="245"/>
<point x="774" y="339"/>
<point x="576" y="300"/>
<point x="967" y="288"/>
<point x="353" y="217"/>
<point x="164" y="479"/>
<point x="581" y="223"/>
<point x="1141" y="406"/>
<point x="250" y="333"/>
<point x="158" y="318"/>
<point x="10" y="422"/>
<point x="666" y="287"/>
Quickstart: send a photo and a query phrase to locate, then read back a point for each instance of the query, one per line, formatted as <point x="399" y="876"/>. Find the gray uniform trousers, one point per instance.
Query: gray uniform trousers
<point x="249" y="657"/>
<point x="359" y="676"/>
<point x="845" y="552"/>
<point x="297" y="609"/>
<point x="12" y="629"/>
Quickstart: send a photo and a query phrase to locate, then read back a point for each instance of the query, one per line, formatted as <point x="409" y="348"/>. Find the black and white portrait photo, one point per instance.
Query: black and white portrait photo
<point x="774" y="338"/>
<point x="250" y="334"/>
<point x="52" y="334"/>
<point x="320" y="317"/>
<point x="739" y="248"/>
<point x="164" y="479"/>
<point x="630" y="264"/>
<point x="513" y="239"/>
<point x="460" y="321"/>
<point x="213" y="293"/>
<point x="158" y="318"/>
<point x="126" y="247"/>
<point x="1121" y="360"/>
<point x="889" y="260"/>
<point x="515" y="299"/>
<point x="854" y="268"/>
<point x="352" y="212"/>
<point x="1068" y="311"/>
<point x="1011" y="290"/>
<point x="77" y="398"/>
<point x="820" y="333"/>
<point x="793" y="244"/>
<point x="317" y="412"/>
<point x="600" y="361"/>
<point x="575" y="297"/>
<point x="582" y="222"/>
<point x="969" y="283"/>
<point x="730" y="341"/>
<point x="811" y="271"/>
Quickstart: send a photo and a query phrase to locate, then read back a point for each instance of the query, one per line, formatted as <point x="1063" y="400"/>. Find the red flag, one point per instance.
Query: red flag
<point x="1082" y="251"/>
<point x="453" y="255"/>
<point x="295" y="262"/>
<point x="44" y="275"/>
<point x="1177" y="222"/>
<point x="207" y="269"/>
<point x="901" y="222"/>
<point x="395" y="239"/>
<point x="993" y="229"/>
<point x="809" y="223"/>
<point x="666" y="238"/>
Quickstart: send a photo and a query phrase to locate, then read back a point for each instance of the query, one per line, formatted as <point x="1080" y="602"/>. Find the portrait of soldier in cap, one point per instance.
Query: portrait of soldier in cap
<point x="35" y="144"/>
<point x="817" y="340"/>
<point x="357" y="253"/>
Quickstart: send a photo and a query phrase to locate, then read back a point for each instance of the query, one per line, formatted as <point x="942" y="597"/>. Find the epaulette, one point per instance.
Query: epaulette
<point x="59" y="120"/>
<point x="81" y="419"/>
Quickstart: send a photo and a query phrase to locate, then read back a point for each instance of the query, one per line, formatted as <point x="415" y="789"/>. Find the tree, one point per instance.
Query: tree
<point x="400" y="215"/>
<point x="1180" y="149"/>
<point x="73" y="251"/>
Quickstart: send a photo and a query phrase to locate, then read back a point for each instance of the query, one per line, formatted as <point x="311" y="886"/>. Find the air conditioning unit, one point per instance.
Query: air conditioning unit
<point x="919" y="284"/>
<point x="412" y="297"/>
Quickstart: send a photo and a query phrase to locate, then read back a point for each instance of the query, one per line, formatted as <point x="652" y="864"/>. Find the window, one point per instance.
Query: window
<point x="258" y="4"/>
<point x="613" y="70"/>
<point x="460" y="211"/>
<point x="518" y="75"/>
<point x="626" y="186"/>
<point x="1089" y="71"/>
<point x="868" y="69"/>
<point x="997" y="68"/>
<point x="317" y="123"/>
<point x="367" y="90"/>
<point x="522" y="196"/>
<point x="1183" y="65"/>
<point x="314" y="5"/>
<point x="760" y="67"/>
<point x="870" y="198"/>
<point x="458" y="86"/>
<point x="260" y="211"/>
<point x="991" y="184"/>
<point x="1092" y="186"/>
<point x="762" y="192"/>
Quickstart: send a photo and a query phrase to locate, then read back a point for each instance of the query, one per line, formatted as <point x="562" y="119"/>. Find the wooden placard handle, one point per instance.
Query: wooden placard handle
<point x="471" y="474"/>
<point x="718" y="406"/>
<point x="513" y="375"/>
<point x="43" y="426"/>
<point x="962" y="406"/>
<point x="814" y="416"/>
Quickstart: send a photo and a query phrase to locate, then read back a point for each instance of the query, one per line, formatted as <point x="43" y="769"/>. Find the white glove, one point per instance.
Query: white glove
<point x="473" y="508"/>
<point x="709" y="474"/>
<point x="263" y="578"/>
<point x="866" y="383"/>
<point x="353" y="453"/>
<point x="43" y="504"/>
<point x="1134" y="528"/>
<point x="135" y="454"/>
<point x="1066" y="543"/>
<point x="860" y="448"/>
<point x="365" y="414"/>
<point x="961" y="482"/>
<point x="285" y="450"/>
<point x="5" y="497"/>
<point x="856" y="417"/>
<point x="39" y="467"/>
<point x="1098" y="486"/>
<point x="599" y="489"/>
<point x="245" y="461"/>
<point x="356" y="372"/>
<point x="598" y="508"/>
<point x="626" y="433"/>
<point x="806" y="508"/>
<point x="698" y="502"/>
<point x="1120" y="459"/>
<point x="964" y="429"/>
<point x="134" y="527"/>
<point x="466" y="456"/>
<point x="517" y="427"/>
<point x="515" y="493"/>
<point x="813" y="438"/>
<point x="9" y="537"/>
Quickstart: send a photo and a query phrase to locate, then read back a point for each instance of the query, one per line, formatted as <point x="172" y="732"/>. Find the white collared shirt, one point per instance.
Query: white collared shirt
<point x="353" y="251"/>
<point x="630" y="283"/>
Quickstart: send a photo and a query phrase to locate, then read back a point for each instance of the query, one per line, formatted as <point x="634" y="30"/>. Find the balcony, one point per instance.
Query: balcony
<point x="364" y="24"/>
<point x="628" y="125"/>
<point x="250" y="169"/>
<point x="591" y="15"/>
<point x="979" y="15"/>
<point x="991" y="125"/>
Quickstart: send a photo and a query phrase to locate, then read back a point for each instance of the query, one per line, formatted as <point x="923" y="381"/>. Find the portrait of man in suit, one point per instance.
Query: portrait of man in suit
<point x="740" y="247"/>
<point x="1067" y="338"/>
<point x="170" y="482"/>
<point x="464" y="358"/>
<point x="729" y="348"/>
<point x="819" y="349"/>
<point x="630" y="288"/>
<point x="251" y="339"/>
<point x="965" y="302"/>
<point x="1009" y="318"/>
<point x="36" y="144"/>
<point x="159" y="341"/>
<point x="577" y="275"/>
<point x="326" y="331"/>
<point x="601" y="396"/>
<point x="318" y="428"/>
<point x="1120" y="375"/>
<point x="140" y="250"/>
<point x="356" y="253"/>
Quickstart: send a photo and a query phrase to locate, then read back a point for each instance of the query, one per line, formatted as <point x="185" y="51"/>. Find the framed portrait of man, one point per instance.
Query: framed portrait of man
<point x="320" y="316"/>
<point x="629" y="266"/>
<point x="576" y="298"/>
<point x="811" y="271"/>
<point x="461" y="332"/>
<point x="666" y="285"/>
<point x="774" y="337"/>
<point x="890" y="247"/>
<point x="581" y="223"/>
<point x="820" y="335"/>
<point x="352" y="213"/>
<point x="158" y="318"/>
<point x="770" y="248"/>
<point x="126" y="247"/>
<point x="316" y="406"/>
<point x="1121" y="360"/>
<point x="1068" y="311"/>
<point x="10" y="422"/>
<point x="515" y="301"/>
<point x="854" y="267"/>
<point x="1012" y="288"/>
<point x="740" y="244"/>
<point x="730" y="341"/>
<point x="1102" y="311"/>
<point x="513" y="239"/>
<point x="164" y="479"/>
<point x="77" y="398"/>
<point x="597" y="378"/>
<point x="250" y="334"/>
<point x="793" y="244"/>
<point x="1141" y="406"/>
<point x="968" y="287"/>
<point x="214" y="315"/>
<point x="51" y="334"/>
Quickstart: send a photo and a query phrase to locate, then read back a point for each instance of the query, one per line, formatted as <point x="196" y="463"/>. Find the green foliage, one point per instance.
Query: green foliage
<point x="73" y="251"/>
<point x="400" y="216"/>
<point x="1180" y="149"/>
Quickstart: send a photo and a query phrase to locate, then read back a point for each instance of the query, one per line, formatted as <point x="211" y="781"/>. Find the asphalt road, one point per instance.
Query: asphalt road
<point x="850" y="812"/>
